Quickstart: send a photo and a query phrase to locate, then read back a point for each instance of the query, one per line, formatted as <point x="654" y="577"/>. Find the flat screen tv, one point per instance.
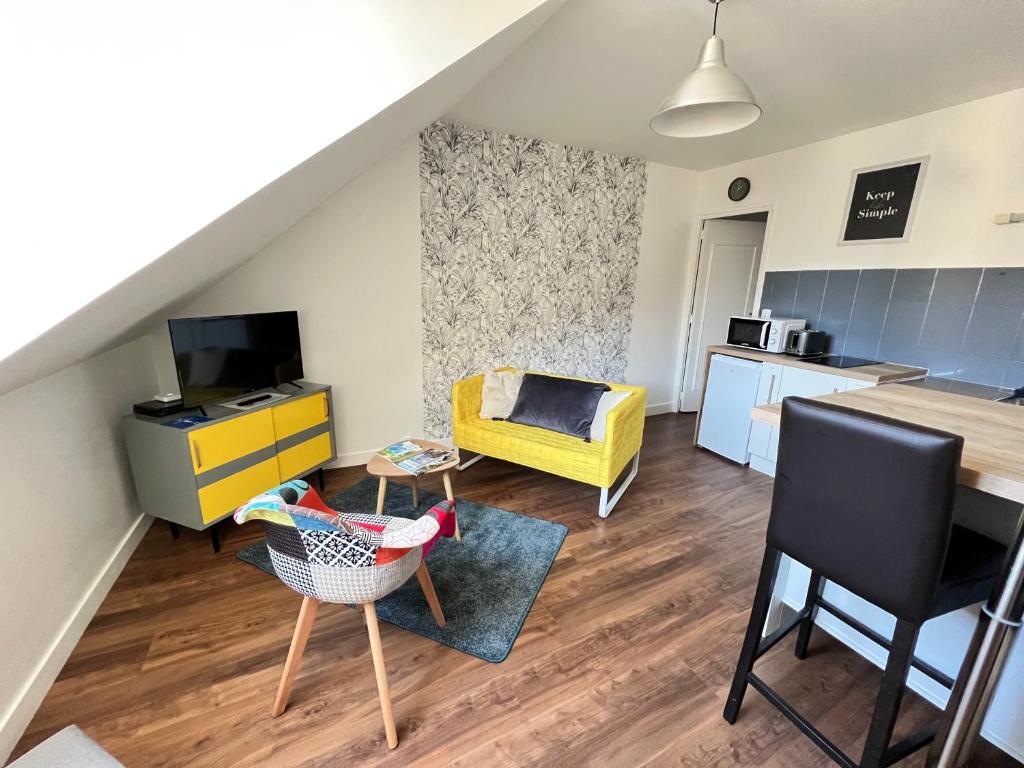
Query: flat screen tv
<point x="221" y="357"/>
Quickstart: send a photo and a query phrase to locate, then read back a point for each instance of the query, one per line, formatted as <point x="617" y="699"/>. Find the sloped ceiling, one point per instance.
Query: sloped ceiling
<point x="217" y="159"/>
<point x="596" y="72"/>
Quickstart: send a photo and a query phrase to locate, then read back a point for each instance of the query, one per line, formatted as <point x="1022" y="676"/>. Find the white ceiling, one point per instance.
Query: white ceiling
<point x="594" y="74"/>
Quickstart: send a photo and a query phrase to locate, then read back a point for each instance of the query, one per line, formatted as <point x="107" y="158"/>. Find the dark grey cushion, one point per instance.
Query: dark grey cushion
<point x="561" y="405"/>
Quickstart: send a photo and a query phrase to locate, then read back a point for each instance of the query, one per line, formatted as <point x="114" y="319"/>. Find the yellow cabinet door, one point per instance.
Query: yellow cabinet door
<point x="218" y="444"/>
<point x="297" y="415"/>
<point x="297" y="459"/>
<point x="224" y="496"/>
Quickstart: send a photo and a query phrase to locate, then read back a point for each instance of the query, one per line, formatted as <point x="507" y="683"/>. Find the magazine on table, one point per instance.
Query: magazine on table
<point x="425" y="461"/>
<point x="398" y="451"/>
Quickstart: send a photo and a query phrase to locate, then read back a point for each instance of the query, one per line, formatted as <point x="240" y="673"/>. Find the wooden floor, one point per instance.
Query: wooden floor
<point x="624" y="660"/>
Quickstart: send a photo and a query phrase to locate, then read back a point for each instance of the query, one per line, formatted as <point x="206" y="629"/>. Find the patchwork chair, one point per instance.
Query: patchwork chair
<point x="334" y="557"/>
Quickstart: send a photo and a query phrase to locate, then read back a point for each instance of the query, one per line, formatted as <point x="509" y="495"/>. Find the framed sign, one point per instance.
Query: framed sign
<point x="881" y="203"/>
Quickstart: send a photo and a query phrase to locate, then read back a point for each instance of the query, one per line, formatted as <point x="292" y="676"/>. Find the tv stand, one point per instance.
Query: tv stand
<point x="197" y="476"/>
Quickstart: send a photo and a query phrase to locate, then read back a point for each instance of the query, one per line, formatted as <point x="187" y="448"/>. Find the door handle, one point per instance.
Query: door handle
<point x="327" y="411"/>
<point x="195" y="451"/>
<point x="771" y="387"/>
<point x="764" y="335"/>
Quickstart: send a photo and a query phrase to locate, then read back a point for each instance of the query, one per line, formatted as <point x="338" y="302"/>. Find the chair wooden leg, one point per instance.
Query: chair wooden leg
<point x="887" y="705"/>
<point x="377" y="651"/>
<point x="803" y="638"/>
<point x="382" y="490"/>
<point x="428" y="592"/>
<point x="450" y="495"/>
<point x="752" y="639"/>
<point x="291" y="667"/>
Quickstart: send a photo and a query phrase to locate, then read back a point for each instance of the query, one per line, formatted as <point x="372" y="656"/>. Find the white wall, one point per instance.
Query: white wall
<point x="352" y="270"/>
<point x="663" y="283"/>
<point x="183" y="110"/>
<point x="976" y="170"/>
<point x="70" y="517"/>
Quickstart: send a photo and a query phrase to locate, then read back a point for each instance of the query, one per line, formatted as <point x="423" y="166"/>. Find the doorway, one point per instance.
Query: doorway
<point x="728" y="265"/>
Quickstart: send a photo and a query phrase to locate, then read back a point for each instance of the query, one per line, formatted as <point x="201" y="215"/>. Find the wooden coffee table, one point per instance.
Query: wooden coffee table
<point x="380" y="467"/>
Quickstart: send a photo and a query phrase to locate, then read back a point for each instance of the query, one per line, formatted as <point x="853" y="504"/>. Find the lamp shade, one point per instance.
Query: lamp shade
<point x="709" y="101"/>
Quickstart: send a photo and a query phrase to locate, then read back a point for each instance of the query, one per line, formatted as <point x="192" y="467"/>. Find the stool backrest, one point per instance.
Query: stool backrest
<point x="866" y="501"/>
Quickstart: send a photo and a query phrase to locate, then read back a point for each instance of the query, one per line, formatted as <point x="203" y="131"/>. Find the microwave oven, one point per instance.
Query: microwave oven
<point x="765" y="333"/>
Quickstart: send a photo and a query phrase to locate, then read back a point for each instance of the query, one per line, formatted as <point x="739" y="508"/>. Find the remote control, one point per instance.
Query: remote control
<point x="251" y="400"/>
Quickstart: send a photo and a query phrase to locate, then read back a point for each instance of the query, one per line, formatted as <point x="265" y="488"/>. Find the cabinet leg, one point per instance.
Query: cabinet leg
<point x="175" y="531"/>
<point x="320" y="478"/>
<point x="215" y="539"/>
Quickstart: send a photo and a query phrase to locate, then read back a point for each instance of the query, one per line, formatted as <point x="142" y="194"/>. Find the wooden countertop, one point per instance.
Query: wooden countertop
<point x="877" y="373"/>
<point x="993" y="458"/>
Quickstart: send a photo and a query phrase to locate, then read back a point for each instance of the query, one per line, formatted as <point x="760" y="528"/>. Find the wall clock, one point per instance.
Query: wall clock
<point x="739" y="188"/>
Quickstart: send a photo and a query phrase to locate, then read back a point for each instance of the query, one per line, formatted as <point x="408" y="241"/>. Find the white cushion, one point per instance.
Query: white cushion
<point x="608" y="401"/>
<point x="501" y="388"/>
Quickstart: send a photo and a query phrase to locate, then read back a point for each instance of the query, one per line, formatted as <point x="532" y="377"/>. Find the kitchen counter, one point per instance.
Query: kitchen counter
<point x="828" y="379"/>
<point x="993" y="432"/>
<point x="876" y="374"/>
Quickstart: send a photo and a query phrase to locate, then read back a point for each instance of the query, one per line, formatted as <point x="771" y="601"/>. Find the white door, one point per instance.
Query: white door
<point x="729" y="258"/>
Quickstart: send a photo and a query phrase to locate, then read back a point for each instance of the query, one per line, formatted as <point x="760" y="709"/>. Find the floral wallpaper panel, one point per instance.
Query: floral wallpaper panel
<point x="529" y="258"/>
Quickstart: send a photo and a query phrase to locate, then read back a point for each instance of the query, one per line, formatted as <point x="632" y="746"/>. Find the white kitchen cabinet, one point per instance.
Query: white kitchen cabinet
<point x="725" y="421"/>
<point x="800" y="382"/>
<point x="767" y="392"/>
<point x="789" y="382"/>
<point x="858" y="384"/>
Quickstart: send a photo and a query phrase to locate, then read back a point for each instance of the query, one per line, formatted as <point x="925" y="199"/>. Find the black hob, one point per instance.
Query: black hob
<point x="839" y="361"/>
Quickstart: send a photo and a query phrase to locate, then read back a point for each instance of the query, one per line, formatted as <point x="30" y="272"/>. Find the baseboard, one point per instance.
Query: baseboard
<point x="1009" y="749"/>
<point x="353" y="459"/>
<point x="917" y="681"/>
<point x="656" y="409"/>
<point x="19" y="714"/>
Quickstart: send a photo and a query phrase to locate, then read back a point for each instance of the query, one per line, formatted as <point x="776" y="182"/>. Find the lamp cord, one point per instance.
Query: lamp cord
<point x="714" y="24"/>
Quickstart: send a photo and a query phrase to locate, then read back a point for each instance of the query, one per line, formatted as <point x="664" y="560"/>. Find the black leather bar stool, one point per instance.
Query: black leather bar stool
<point x="866" y="502"/>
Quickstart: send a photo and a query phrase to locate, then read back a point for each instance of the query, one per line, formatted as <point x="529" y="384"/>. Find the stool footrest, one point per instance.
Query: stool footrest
<point x="826" y="746"/>
<point x="868" y="632"/>
<point x="909" y="745"/>
<point x="769" y="642"/>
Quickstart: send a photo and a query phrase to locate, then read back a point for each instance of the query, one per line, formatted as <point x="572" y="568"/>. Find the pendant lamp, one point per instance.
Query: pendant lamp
<point x="709" y="101"/>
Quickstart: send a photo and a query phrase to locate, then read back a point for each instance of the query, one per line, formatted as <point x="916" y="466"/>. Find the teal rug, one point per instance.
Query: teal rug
<point x="486" y="583"/>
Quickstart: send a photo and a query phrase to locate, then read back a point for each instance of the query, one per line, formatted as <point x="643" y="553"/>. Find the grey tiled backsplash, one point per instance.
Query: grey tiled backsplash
<point x="958" y="323"/>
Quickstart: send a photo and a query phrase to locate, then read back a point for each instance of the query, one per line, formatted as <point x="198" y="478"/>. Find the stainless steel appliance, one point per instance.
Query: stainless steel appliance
<point x="805" y="343"/>
<point x="765" y="333"/>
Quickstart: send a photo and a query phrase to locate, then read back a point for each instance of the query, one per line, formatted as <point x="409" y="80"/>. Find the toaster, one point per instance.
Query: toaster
<point x="805" y="343"/>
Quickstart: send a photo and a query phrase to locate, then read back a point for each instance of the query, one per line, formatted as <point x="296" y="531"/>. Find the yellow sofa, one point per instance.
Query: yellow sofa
<point x="593" y="463"/>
